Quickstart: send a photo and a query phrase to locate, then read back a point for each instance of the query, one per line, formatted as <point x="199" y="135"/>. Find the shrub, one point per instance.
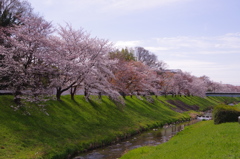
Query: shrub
<point x="224" y="113"/>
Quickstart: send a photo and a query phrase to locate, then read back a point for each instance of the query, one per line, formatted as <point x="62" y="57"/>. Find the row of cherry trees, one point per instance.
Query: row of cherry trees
<point x="146" y="75"/>
<point x="36" y="58"/>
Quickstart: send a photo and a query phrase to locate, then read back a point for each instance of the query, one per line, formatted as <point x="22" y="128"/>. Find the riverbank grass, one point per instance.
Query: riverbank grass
<point x="75" y="125"/>
<point x="201" y="140"/>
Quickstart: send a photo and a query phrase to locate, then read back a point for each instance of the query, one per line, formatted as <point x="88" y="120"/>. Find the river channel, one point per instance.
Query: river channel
<point x="148" y="138"/>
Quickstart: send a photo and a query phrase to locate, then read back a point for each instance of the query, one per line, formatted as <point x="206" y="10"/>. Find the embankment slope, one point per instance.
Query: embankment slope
<point x="73" y="126"/>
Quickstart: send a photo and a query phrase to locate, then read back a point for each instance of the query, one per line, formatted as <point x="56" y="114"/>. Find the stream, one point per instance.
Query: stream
<point x="148" y="138"/>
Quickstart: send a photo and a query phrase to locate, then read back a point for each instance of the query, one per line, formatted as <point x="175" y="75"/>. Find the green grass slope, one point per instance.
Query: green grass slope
<point x="74" y="126"/>
<point x="78" y="125"/>
<point x="201" y="140"/>
<point x="203" y="103"/>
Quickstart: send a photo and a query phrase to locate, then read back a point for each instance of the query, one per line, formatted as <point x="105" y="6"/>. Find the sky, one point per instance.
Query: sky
<point x="201" y="37"/>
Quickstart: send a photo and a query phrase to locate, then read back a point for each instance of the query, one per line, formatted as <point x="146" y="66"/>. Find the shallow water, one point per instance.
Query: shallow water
<point x="149" y="138"/>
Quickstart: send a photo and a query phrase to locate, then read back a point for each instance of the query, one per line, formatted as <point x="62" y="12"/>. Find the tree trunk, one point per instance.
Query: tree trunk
<point x="59" y="93"/>
<point x="138" y="93"/>
<point x="165" y="94"/>
<point x="86" y="94"/>
<point x="17" y="100"/>
<point x="123" y="94"/>
<point x="73" y="92"/>
<point x="99" y="95"/>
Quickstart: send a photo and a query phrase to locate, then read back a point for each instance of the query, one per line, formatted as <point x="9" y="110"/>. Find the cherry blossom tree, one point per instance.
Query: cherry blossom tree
<point x="133" y="77"/>
<point x="69" y="57"/>
<point x="167" y="82"/>
<point x="97" y="82"/>
<point x="23" y="61"/>
<point x="12" y="13"/>
<point x="126" y="78"/>
<point x="197" y="87"/>
<point x="81" y="61"/>
<point x="179" y="83"/>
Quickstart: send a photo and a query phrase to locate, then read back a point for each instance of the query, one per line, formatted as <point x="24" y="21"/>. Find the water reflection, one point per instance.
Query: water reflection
<point x="151" y="138"/>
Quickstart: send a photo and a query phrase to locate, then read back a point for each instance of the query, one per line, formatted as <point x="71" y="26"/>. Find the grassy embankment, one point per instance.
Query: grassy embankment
<point x="76" y="126"/>
<point x="201" y="140"/>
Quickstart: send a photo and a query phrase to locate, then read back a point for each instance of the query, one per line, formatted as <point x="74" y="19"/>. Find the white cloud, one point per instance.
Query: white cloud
<point x="224" y="44"/>
<point x="185" y="42"/>
<point x="122" y="5"/>
<point x="218" y="52"/>
<point x="42" y="2"/>
<point x="132" y="5"/>
<point x="188" y="64"/>
<point x="107" y="6"/>
<point x="217" y="72"/>
<point x="184" y="45"/>
<point x="155" y="49"/>
<point x="48" y="2"/>
<point x="123" y="44"/>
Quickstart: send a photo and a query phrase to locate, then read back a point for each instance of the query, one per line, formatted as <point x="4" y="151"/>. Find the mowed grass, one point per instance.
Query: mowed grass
<point x="73" y="126"/>
<point x="77" y="125"/>
<point x="203" y="140"/>
<point x="203" y="103"/>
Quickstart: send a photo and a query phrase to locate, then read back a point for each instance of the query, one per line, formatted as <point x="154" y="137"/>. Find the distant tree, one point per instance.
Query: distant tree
<point x="179" y="83"/>
<point x="126" y="78"/>
<point x="133" y="77"/>
<point x="145" y="56"/>
<point x="167" y="83"/>
<point x="123" y="55"/>
<point x="197" y="87"/>
<point x="214" y="87"/>
<point x="149" y="59"/>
